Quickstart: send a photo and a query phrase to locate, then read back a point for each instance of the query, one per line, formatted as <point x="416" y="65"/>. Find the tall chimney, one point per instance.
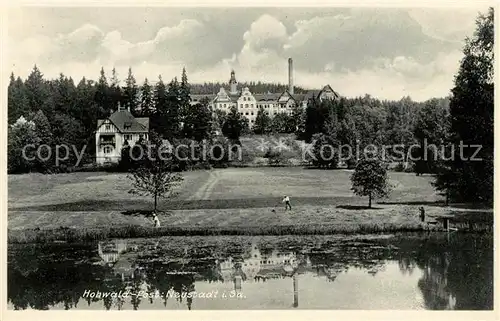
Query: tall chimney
<point x="290" y="76"/>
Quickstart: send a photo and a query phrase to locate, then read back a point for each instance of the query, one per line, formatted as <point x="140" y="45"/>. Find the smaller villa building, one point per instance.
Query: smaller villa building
<point x="115" y="132"/>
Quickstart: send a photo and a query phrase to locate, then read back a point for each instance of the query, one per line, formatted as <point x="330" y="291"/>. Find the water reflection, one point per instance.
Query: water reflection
<point x="399" y="272"/>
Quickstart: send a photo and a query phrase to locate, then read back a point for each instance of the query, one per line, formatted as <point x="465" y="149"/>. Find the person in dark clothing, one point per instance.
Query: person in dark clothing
<point x="422" y="214"/>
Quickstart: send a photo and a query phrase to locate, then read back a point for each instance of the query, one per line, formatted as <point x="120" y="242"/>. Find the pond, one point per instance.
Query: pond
<point x="435" y="271"/>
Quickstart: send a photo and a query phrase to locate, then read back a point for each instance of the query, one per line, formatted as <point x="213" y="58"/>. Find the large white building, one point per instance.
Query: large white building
<point x="248" y="103"/>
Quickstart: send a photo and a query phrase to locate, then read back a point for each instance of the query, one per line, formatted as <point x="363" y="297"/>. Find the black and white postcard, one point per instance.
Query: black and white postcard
<point x="276" y="158"/>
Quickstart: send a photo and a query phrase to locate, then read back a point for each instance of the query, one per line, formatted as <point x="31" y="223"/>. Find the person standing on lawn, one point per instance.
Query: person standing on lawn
<point x="288" y="205"/>
<point x="156" y="220"/>
<point x="422" y="214"/>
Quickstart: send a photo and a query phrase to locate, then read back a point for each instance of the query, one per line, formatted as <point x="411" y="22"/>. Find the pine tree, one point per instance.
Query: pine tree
<point x="18" y="104"/>
<point x="235" y="125"/>
<point x="101" y="96"/>
<point x="42" y="128"/>
<point x="198" y="122"/>
<point x="147" y="99"/>
<point x="115" y="91"/>
<point x="173" y="121"/>
<point x="37" y="92"/>
<point x="184" y="95"/>
<point x="159" y="120"/>
<point x="131" y="93"/>
<point x="63" y="93"/>
<point x="262" y="122"/>
<point x="86" y="110"/>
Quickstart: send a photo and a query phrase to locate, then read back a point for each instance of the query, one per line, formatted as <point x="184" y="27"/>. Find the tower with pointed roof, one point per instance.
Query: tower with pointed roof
<point x="233" y="84"/>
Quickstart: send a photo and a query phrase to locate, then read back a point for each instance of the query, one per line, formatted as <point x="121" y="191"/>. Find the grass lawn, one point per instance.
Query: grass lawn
<point x="234" y="199"/>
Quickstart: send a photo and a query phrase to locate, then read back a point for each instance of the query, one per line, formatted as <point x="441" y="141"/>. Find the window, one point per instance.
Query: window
<point x="107" y="149"/>
<point x="251" y="105"/>
<point x="252" y="113"/>
<point x="108" y="127"/>
<point x="246" y="105"/>
<point x="141" y="137"/>
<point x="246" y="113"/>
<point x="241" y="113"/>
<point x="267" y="113"/>
<point x="127" y="125"/>
<point x="127" y="137"/>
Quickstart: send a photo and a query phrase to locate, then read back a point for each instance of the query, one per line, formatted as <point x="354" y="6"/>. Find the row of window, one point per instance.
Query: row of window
<point x="252" y="105"/>
<point x="267" y="113"/>
<point x="128" y="137"/>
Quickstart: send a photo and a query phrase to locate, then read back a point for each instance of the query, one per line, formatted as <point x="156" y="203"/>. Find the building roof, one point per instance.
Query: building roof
<point x="267" y="97"/>
<point x="299" y="97"/>
<point x="312" y="94"/>
<point x="234" y="97"/>
<point x="127" y="123"/>
<point x="262" y="97"/>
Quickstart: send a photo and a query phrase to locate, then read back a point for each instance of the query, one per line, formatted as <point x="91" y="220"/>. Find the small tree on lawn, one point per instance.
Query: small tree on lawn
<point x="370" y="179"/>
<point x="154" y="174"/>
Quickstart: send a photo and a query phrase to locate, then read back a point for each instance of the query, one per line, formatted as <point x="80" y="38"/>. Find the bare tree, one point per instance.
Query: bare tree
<point x="154" y="175"/>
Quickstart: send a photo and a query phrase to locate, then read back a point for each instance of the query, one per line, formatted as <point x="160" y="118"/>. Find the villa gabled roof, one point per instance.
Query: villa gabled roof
<point x="126" y="122"/>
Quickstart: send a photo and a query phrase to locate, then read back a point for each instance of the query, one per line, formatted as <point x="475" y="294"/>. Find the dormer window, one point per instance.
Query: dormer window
<point x="127" y="125"/>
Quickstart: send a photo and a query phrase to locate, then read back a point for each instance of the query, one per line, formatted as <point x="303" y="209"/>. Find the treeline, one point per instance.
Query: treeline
<point x="259" y="87"/>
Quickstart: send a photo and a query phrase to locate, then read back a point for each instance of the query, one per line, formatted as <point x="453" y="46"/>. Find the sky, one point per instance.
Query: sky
<point x="387" y="53"/>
